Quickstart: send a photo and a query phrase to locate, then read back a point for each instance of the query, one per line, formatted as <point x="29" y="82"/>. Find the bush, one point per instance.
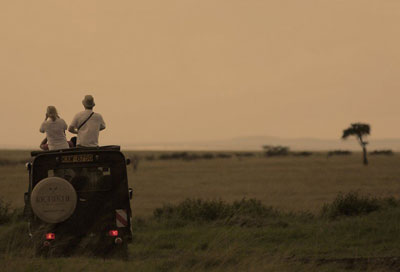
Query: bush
<point x="208" y="156"/>
<point x="351" y="204"/>
<point x="387" y="152"/>
<point x="5" y="212"/>
<point x="302" y="154"/>
<point x="271" y="151"/>
<point x="244" y="154"/>
<point x="339" y="152"/>
<point x="192" y="157"/>
<point x="174" y="156"/>
<point x="243" y="212"/>
<point x="224" y="156"/>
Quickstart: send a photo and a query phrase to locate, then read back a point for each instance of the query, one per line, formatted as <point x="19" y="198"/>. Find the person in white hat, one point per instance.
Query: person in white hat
<point x="54" y="127"/>
<point x="87" y="124"/>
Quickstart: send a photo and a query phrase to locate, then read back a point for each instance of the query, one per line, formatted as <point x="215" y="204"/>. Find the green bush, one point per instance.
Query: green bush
<point x="352" y="204"/>
<point x="243" y="212"/>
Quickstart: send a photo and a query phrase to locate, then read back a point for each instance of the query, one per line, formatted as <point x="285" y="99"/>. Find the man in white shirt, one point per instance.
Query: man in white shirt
<point x="87" y="124"/>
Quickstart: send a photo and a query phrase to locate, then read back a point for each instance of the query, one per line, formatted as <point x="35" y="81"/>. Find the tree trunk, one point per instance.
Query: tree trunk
<point x="365" y="155"/>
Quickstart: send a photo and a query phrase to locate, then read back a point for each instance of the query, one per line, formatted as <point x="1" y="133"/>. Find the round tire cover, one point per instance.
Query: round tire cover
<point x="53" y="200"/>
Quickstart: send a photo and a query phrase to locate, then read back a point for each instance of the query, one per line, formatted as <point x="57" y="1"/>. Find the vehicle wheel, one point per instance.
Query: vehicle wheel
<point x="53" y="200"/>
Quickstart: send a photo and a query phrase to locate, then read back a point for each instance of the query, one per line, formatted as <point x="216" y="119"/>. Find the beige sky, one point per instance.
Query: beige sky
<point x="187" y="70"/>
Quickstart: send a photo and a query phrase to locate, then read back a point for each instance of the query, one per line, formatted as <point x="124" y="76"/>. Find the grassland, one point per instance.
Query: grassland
<point x="296" y="238"/>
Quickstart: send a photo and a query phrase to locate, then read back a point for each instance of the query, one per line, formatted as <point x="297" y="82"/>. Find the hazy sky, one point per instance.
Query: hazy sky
<point x="183" y="70"/>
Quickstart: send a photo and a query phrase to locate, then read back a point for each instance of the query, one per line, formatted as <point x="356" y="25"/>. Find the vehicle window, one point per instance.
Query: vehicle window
<point x="85" y="179"/>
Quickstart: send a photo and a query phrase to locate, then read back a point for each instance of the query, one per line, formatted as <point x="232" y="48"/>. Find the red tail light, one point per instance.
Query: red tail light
<point x="50" y="236"/>
<point x="113" y="233"/>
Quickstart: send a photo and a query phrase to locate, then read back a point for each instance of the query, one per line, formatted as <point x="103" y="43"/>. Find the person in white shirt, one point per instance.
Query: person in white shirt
<point x="54" y="127"/>
<point x="87" y="124"/>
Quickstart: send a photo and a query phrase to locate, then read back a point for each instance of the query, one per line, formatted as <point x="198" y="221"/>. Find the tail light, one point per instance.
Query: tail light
<point x="50" y="236"/>
<point x="113" y="233"/>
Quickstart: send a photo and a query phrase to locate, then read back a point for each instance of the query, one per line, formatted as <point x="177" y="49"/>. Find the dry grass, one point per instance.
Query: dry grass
<point x="288" y="183"/>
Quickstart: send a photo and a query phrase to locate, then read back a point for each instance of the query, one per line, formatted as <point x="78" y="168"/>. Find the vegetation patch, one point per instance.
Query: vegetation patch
<point x="243" y="212"/>
<point x="353" y="204"/>
<point x="302" y="153"/>
<point x="211" y="236"/>
<point x="387" y="152"/>
<point x="6" y="212"/>
<point x="6" y="162"/>
<point x="339" y="152"/>
<point x="272" y="151"/>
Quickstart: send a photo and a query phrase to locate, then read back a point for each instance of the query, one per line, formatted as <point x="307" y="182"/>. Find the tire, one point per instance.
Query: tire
<point x="53" y="200"/>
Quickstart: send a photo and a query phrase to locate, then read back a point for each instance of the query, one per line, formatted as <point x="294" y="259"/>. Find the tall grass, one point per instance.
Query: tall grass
<point x="5" y="211"/>
<point x="353" y="204"/>
<point x="211" y="238"/>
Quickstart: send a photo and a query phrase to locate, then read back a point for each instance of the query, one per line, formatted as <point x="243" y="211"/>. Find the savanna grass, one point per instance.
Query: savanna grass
<point x="354" y="204"/>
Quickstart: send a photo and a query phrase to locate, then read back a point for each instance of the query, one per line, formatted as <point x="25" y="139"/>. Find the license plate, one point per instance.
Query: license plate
<point x="77" y="158"/>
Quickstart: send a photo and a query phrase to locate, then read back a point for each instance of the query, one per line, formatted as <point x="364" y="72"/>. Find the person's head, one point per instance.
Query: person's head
<point x="52" y="113"/>
<point x="88" y="102"/>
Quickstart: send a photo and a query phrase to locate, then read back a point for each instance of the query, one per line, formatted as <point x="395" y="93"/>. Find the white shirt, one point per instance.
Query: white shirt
<point x="88" y="134"/>
<point x="55" y="133"/>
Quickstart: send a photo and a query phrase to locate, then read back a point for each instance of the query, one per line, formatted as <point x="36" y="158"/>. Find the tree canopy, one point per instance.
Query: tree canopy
<point x="359" y="130"/>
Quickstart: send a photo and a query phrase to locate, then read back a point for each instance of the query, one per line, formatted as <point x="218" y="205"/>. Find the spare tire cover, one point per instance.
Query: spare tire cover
<point x="53" y="200"/>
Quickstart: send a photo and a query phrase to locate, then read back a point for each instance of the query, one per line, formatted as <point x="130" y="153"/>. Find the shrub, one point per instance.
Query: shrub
<point x="387" y="152"/>
<point x="302" y="153"/>
<point x="244" y="154"/>
<point x="192" y="157"/>
<point x="208" y="156"/>
<point x="243" y="212"/>
<point x="339" y="152"/>
<point x="5" y="212"/>
<point x="271" y="151"/>
<point x="223" y="156"/>
<point x="174" y="156"/>
<point x="350" y="204"/>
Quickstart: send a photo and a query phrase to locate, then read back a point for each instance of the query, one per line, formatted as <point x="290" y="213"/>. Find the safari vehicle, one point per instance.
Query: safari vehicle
<point x="78" y="201"/>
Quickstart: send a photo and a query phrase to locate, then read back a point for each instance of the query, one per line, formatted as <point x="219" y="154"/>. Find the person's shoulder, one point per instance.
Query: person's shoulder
<point x="98" y="115"/>
<point x="79" y="114"/>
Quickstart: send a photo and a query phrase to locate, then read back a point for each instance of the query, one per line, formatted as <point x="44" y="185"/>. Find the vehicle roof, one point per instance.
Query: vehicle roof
<point x="77" y="149"/>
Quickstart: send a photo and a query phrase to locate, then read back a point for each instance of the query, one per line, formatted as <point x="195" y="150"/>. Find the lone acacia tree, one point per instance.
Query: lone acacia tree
<point x="359" y="130"/>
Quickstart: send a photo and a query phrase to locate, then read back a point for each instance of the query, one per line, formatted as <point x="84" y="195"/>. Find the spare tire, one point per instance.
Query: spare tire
<point x="53" y="200"/>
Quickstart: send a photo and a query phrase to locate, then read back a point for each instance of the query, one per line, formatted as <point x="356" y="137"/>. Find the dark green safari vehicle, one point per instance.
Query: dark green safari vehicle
<point x="78" y="201"/>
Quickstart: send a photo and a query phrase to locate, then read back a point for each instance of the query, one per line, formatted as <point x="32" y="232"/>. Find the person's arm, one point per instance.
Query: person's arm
<point x="44" y="145"/>
<point x="65" y="126"/>
<point x="42" y="127"/>
<point x="102" y="123"/>
<point x="72" y="127"/>
<point x="44" y="141"/>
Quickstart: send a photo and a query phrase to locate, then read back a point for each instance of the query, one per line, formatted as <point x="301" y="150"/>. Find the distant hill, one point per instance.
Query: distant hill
<point x="255" y="143"/>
